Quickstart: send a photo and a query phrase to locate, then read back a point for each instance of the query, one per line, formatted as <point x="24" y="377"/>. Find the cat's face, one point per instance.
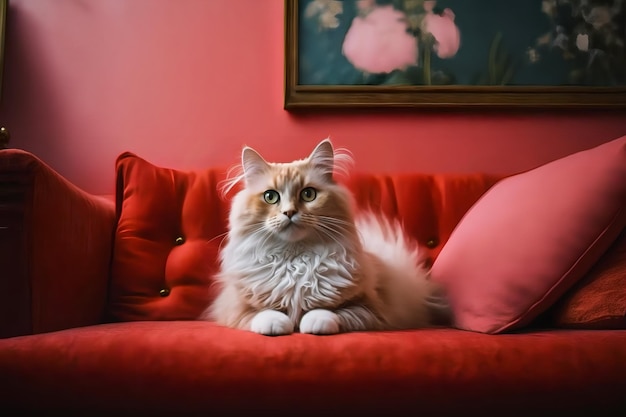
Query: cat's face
<point x="292" y="201"/>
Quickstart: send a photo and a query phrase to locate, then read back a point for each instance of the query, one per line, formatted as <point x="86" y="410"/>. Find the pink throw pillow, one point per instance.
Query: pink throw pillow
<point x="531" y="237"/>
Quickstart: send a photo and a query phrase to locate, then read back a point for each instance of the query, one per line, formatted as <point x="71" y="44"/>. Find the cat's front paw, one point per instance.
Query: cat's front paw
<point x="271" y="323"/>
<point x="319" y="322"/>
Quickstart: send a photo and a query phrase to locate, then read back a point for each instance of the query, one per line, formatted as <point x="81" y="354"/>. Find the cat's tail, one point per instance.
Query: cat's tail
<point x="410" y="298"/>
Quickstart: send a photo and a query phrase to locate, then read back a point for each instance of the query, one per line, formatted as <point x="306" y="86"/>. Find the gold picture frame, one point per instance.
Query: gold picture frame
<point x="302" y="96"/>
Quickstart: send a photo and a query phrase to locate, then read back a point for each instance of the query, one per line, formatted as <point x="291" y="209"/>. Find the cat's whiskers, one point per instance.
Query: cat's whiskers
<point x="323" y="230"/>
<point x="336" y="228"/>
<point x="342" y="225"/>
<point x="255" y="232"/>
<point x="322" y="233"/>
<point x="222" y="237"/>
<point x="264" y="235"/>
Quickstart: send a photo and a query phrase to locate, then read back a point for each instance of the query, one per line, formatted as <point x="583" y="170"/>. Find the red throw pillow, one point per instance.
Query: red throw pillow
<point x="170" y="226"/>
<point x="531" y="237"/>
<point x="598" y="301"/>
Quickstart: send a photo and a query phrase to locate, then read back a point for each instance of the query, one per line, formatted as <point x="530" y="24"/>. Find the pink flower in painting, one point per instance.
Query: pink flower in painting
<point x="379" y="42"/>
<point x="445" y="32"/>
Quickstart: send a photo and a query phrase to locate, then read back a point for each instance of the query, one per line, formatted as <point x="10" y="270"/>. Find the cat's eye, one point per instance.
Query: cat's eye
<point x="271" y="197"/>
<point x="308" y="194"/>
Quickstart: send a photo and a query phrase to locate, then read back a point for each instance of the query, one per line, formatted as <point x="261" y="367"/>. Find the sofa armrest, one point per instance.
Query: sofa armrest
<point x="55" y="249"/>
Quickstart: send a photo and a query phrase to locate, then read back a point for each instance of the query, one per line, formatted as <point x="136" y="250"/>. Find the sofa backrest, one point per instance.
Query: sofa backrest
<point x="170" y="225"/>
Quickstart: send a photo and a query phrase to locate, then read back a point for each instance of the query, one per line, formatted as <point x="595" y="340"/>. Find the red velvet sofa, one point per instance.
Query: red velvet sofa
<point x="100" y="297"/>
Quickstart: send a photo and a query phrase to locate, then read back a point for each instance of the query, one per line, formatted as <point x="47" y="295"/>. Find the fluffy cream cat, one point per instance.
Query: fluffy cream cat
<point x="298" y="258"/>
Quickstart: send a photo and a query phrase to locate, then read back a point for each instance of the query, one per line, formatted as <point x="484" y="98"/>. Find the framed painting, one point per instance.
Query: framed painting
<point x="455" y="54"/>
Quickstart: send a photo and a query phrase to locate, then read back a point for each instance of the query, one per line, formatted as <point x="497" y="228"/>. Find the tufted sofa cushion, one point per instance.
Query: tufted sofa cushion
<point x="171" y="224"/>
<point x="166" y="241"/>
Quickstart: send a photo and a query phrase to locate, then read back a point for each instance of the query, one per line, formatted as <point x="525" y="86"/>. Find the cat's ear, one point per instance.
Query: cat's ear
<point x="323" y="159"/>
<point x="253" y="165"/>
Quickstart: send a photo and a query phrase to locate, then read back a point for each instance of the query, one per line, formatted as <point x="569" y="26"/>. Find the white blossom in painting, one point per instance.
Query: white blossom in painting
<point x="326" y="12"/>
<point x="582" y="42"/>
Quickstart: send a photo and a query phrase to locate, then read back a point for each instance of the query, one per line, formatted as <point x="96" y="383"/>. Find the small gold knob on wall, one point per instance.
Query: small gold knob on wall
<point x="5" y="137"/>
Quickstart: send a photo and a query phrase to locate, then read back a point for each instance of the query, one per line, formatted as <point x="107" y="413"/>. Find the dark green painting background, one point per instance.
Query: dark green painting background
<point x="519" y="22"/>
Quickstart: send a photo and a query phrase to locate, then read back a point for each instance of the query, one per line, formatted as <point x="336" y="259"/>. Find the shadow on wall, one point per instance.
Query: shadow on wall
<point x="28" y="87"/>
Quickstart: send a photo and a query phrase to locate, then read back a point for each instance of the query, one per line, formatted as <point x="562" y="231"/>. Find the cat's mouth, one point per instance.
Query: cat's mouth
<point x="290" y="224"/>
<point x="291" y="231"/>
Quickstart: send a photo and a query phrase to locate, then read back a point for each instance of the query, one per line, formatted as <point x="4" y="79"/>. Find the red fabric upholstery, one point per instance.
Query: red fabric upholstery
<point x="55" y="275"/>
<point x="430" y="206"/>
<point x="156" y="368"/>
<point x="58" y="274"/>
<point x="171" y="223"/>
<point x="169" y="229"/>
<point x="599" y="300"/>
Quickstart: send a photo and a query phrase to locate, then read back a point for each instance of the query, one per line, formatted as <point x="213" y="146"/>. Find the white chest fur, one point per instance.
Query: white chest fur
<point x="292" y="279"/>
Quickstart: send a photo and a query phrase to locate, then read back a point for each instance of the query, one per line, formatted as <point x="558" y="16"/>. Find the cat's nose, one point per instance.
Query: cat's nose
<point x="289" y="213"/>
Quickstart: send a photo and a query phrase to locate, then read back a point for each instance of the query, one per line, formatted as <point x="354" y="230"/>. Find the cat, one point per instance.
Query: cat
<point x="299" y="257"/>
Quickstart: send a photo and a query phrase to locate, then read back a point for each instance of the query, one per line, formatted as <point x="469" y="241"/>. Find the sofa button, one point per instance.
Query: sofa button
<point x="179" y="241"/>
<point x="431" y="243"/>
<point x="164" y="292"/>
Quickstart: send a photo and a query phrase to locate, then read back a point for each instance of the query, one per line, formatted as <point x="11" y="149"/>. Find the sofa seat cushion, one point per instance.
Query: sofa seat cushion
<point x="186" y="367"/>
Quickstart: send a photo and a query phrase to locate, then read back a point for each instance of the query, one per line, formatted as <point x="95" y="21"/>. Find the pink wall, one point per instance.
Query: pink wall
<point x="186" y="83"/>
